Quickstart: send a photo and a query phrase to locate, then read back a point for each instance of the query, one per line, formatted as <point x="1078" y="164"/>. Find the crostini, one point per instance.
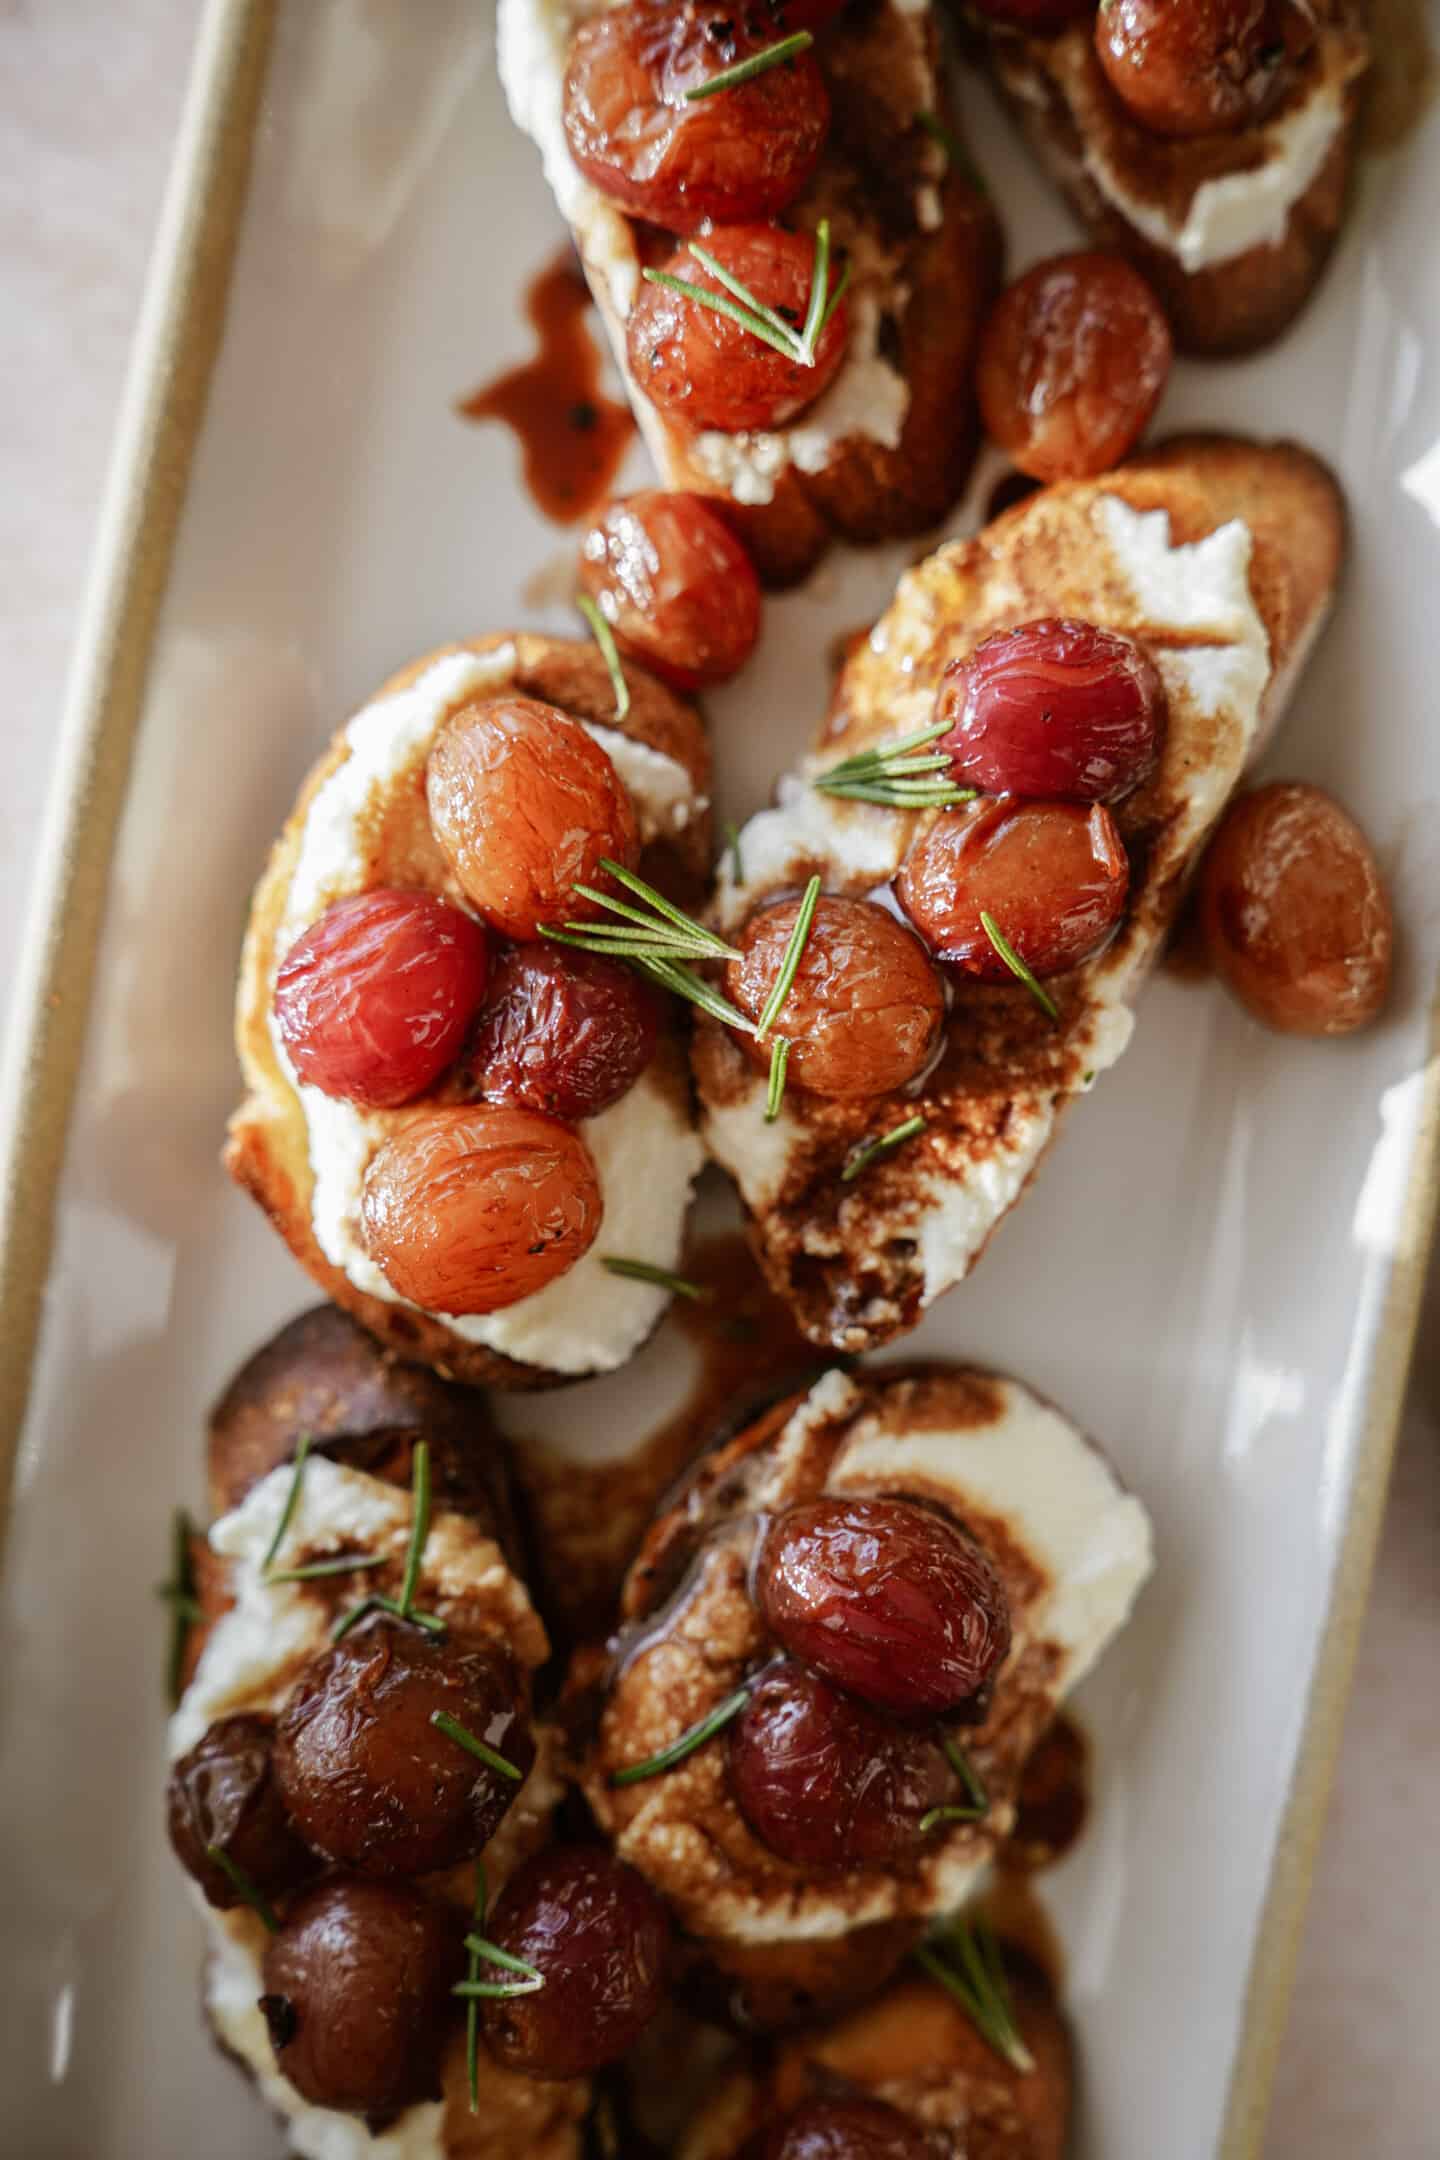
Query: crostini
<point x="1019" y="772"/>
<point x="476" y="1139"/>
<point x="1210" y="144"/>
<point x="838" y="1645"/>
<point x="659" y="126"/>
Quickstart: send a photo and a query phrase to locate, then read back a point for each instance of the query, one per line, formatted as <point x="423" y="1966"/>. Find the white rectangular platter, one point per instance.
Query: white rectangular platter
<point x="1215" y="1274"/>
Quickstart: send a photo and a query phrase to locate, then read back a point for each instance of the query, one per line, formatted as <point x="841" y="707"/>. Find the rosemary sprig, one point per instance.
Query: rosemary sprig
<point x="859" y="1159"/>
<point x="479" y="1946"/>
<point x="605" y="638"/>
<point x="683" y="982"/>
<point x="419" y="1525"/>
<point x="978" y="1803"/>
<point x="964" y="1958"/>
<point x="431" y="1622"/>
<point x="757" y="64"/>
<point x="954" y="150"/>
<point x="732" y="849"/>
<point x="657" y="930"/>
<point x="736" y="300"/>
<point x="243" y="1885"/>
<point x="775" y="1087"/>
<point x="480" y="1950"/>
<point x="463" y="1737"/>
<point x="693" y="1737"/>
<point x="317" y="1570"/>
<point x="179" y="1594"/>
<point x="292" y="1501"/>
<point x="472" y="2008"/>
<point x="642" y="1271"/>
<point x="903" y="775"/>
<point x="790" y="964"/>
<point x="1017" y="966"/>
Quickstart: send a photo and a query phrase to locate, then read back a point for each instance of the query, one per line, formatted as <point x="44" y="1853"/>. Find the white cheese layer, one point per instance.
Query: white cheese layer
<point x="1238" y="211"/>
<point x="646" y="1155"/>
<point x="1200" y="589"/>
<point x="869" y="397"/>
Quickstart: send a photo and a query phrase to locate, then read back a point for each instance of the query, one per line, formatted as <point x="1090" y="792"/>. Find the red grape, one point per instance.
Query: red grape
<point x="1055" y="708"/>
<point x="887" y="1599"/>
<point x="223" y="1797"/>
<point x="707" y="371"/>
<point x="373" y="1000"/>
<point x="563" y="1032"/>
<point x="739" y="154"/>
<point x="825" y="1781"/>
<point x="675" y="585"/>
<point x="1073" y="361"/>
<point x="848" y="2126"/>
<point x="1295" y="914"/>
<point x="600" y="1938"/>
<point x="470" y="1210"/>
<point x="865" y="1009"/>
<point x="1199" y="67"/>
<point x="1052" y="876"/>
<point x="525" y="804"/>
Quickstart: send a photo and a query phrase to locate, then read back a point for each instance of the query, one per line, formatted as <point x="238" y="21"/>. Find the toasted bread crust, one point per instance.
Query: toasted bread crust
<point x="846" y="1256"/>
<point x="267" y="1150"/>
<point x="1058" y="96"/>
<point x="937" y="289"/>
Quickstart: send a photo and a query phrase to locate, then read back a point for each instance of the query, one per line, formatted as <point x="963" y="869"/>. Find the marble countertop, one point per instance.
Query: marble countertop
<point x="92" y="95"/>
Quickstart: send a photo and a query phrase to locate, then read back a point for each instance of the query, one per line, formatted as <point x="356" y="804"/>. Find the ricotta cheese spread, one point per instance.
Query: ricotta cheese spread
<point x="869" y="397"/>
<point x="1200" y="589"/>
<point x="646" y="1155"/>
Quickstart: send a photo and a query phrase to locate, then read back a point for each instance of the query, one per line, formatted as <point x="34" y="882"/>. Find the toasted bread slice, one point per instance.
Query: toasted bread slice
<point x="1071" y="1549"/>
<point x="1219" y="555"/>
<point x="915" y="2049"/>
<point x="1234" y="230"/>
<point x="887" y="449"/>
<point x="663" y="757"/>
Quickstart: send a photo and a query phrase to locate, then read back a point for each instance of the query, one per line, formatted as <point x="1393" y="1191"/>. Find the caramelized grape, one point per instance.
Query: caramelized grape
<point x="525" y="804"/>
<point x="1295" y="914"/>
<point x="866" y="1007"/>
<point x="1200" y="67"/>
<point x="887" y="1599"/>
<point x="600" y="1938"/>
<point x="373" y="1000"/>
<point x="357" y="1995"/>
<point x="1072" y="364"/>
<point x="563" y="1032"/>
<point x="371" y="1782"/>
<point x="1054" y="708"/>
<point x="708" y="371"/>
<point x="738" y="154"/>
<point x="1052" y="876"/>
<point x="675" y="586"/>
<point x="223" y="1797"/>
<point x="470" y="1210"/>
<point x="843" y="2126"/>
<point x="825" y="1781"/>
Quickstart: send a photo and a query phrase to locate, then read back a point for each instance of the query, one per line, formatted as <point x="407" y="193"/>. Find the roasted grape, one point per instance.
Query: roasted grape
<point x="865" y="1009"/>
<point x="887" y="1599"/>
<point x="373" y="1000"/>
<point x="370" y="1780"/>
<point x="675" y="586"/>
<point x="824" y="1780"/>
<point x="1053" y="878"/>
<point x="525" y="804"/>
<point x="707" y="370"/>
<point x="223" y="1798"/>
<point x="563" y="1032"/>
<point x="1073" y="362"/>
<point x="357" y="1995"/>
<point x="1202" y="67"/>
<point x="676" y="160"/>
<point x="844" y="2126"/>
<point x="600" y="1939"/>
<point x="1295" y="914"/>
<point x="470" y="1210"/>
<point x="1054" y="708"/>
